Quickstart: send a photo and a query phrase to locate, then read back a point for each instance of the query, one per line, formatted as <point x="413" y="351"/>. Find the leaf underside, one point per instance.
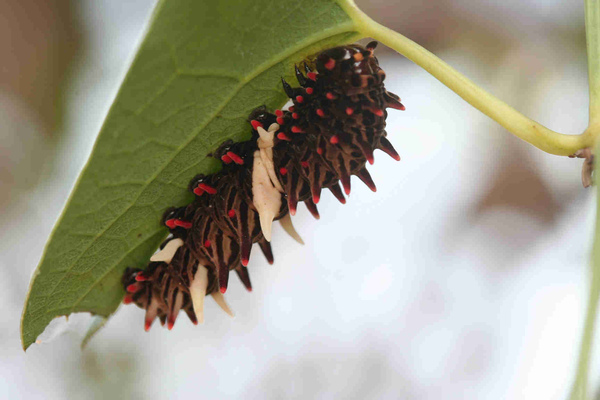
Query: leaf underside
<point x="202" y="67"/>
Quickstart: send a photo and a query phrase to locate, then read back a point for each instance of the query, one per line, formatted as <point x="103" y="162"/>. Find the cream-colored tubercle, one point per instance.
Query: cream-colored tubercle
<point x="198" y="292"/>
<point x="265" y="145"/>
<point x="265" y="196"/>
<point x="220" y="299"/>
<point x="168" y="252"/>
<point x="286" y="223"/>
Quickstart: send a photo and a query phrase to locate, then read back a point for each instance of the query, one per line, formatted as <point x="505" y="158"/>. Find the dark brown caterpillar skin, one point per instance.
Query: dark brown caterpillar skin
<point x="336" y="122"/>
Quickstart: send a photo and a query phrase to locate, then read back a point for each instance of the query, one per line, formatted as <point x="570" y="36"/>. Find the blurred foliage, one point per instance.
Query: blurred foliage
<point x="43" y="40"/>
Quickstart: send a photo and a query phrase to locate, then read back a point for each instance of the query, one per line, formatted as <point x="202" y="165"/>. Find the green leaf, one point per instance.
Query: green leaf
<point x="202" y="67"/>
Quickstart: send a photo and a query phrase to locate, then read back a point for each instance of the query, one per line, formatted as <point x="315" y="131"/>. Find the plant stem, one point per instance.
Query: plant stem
<point x="515" y="122"/>
<point x="592" y="33"/>
<point x="592" y="36"/>
<point x="579" y="390"/>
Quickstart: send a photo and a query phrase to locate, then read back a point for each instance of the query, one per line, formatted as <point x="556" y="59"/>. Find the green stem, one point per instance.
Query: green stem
<point x="579" y="391"/>
<point x="515" y="122"/>
<point x="592" y="35"/>
<point x="592" y="32"/>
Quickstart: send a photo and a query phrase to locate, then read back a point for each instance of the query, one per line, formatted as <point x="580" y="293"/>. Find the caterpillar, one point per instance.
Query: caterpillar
<point x="330" y="132"/>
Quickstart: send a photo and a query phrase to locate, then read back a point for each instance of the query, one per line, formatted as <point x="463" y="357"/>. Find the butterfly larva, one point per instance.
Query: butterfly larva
<point x="336" y="122"/>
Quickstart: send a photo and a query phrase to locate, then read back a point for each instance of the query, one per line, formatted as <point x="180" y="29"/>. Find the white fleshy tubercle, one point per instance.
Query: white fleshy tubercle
<point x="266" y="136"/>
<point x="220" y="299"/>
<point x="198" y="292"/>
<point x="265" y="196"/>
<point x="265" y="145"/>
<point x="168" y="252"/>
<point x="286" y="223"/>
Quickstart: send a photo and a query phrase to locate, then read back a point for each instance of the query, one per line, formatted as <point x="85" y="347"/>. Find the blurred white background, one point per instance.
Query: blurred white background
<point x="464" y="276"/>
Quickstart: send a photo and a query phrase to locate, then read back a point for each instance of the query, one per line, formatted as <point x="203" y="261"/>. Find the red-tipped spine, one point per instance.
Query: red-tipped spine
<point x="242" y="273"/>
<point x="223" y="278"/>
<point x="183" y="224"/>
<point x="148" y="324"/>
<point x="134" y="287"/>
<point x="140" y="277"/>
<point x="364" y="176"/>
<point x="337" y="192"/>
<point x="387" y="147"/>
<point x="377" y="111"/>
<point x="207" y="189"/>
<point x="170" y="323"/>
<point x="283" y="136"/>
<point x="236" y="159"/>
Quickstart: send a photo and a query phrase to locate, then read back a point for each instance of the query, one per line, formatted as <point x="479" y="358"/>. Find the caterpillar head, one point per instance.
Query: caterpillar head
<point x="351" y="69"/>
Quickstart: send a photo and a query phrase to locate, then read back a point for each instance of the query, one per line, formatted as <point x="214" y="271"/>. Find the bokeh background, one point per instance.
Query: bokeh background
<point x="464" y="276"/>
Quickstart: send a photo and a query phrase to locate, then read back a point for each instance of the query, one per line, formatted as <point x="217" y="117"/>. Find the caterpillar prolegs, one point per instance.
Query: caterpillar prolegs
<point x="330" y="132"/>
